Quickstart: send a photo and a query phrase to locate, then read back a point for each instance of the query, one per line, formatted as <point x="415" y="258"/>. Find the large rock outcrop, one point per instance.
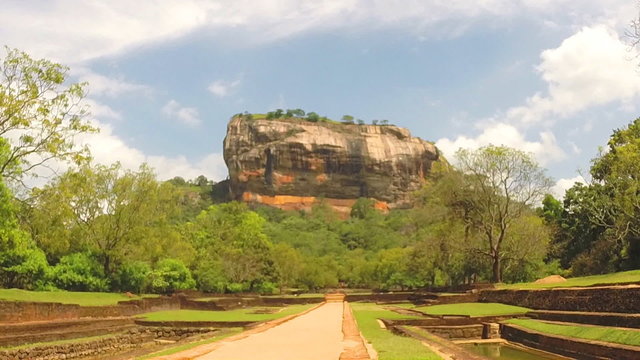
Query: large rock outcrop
<point x="291" y="163"/>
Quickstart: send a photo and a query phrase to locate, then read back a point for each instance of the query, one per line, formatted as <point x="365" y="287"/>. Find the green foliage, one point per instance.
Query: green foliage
<point x="37" y="102"/>
<point x="108" y="211"/>
<point x="502" y="184"/>
<point x="131" y="276"/>
<point x="170" y="275"/>
<point x="22" y="264"/>
<point x="79" y="272"/>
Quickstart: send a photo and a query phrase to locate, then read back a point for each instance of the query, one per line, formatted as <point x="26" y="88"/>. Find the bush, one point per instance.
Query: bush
<point x="237" y="288"/>
<point x="168" y="276"/>
<point x="79" y="272"/>
<point x="210" y="278"/>
<point x="131" y="277"/>
<point x="24" y="268"/>
<point x="266" y="288"/>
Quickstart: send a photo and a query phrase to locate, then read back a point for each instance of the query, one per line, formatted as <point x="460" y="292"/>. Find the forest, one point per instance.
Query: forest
<point x="487" y="217"/>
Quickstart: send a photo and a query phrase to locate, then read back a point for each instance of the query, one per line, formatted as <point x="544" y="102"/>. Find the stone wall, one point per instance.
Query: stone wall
<point x="618" y="299"/>
<point x="457" y="332"/>
<point x="602" y="319"/>
<point x="99" y="347"/>
<point x="18" y="311"/>
<point x="574" y="348"/>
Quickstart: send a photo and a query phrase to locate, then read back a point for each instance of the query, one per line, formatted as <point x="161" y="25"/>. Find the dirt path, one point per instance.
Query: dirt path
<point x="316" y="335"/>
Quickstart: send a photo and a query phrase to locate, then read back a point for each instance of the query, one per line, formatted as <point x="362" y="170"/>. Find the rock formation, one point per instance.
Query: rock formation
<point x="291" y="163"/>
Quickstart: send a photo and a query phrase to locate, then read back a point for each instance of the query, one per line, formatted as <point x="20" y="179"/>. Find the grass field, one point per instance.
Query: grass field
<point x="632" y="276"/>
<point x="232" y="315"/>
<point x="224" y="333"/>
<point x="473" y="309"/>
<point x="66" y="297"/>
<point x="600" y="333"/>
<point x="388" y="345"/>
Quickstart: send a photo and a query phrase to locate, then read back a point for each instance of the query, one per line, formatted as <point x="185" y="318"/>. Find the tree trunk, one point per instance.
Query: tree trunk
<point x="497" y="269"/>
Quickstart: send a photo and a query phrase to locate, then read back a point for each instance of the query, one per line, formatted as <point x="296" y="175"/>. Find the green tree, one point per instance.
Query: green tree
<point x="347" y="119"/>
<point x="22" y="264"/>
<point x="40" y="114"/>
<point x="503" y="184"/>
<point x="170" y="275"/>
<point x="106" y="210"/>
<point x="79" y="272"/>
<point x="313" y="117"/>
<point x="287" y="264"/>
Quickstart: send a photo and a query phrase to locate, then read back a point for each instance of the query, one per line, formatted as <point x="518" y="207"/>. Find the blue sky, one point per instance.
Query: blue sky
<point x="548" y="77"/>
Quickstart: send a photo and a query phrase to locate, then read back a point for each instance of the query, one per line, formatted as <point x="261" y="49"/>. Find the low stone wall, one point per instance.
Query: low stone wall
<point x="446" y="321"/>
<point x="605" y="299"/>
<point x="12" y="334"/>
<point x="456" y="332"/>
<point x="19" y="311"/>
<point x="205" y="324"/>
<point x="602" y="319"/>
<point x="98" y="347"/>
<point x="575" y="348"/>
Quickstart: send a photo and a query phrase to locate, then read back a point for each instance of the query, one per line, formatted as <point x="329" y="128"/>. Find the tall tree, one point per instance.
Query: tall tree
<point x="40" y="114"/>
<point x="103" y="209"/>
<point x="505" y="183"/>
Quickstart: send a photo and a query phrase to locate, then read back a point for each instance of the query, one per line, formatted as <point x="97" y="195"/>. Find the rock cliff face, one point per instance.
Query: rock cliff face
<point x="291" y="163"/>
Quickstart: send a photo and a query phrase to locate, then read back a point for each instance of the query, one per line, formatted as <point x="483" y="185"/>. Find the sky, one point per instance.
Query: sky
<point x="550" y="77"/>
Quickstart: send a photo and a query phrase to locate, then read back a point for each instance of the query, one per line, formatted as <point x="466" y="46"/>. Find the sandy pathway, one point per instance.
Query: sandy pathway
<point x="316" y="335"/>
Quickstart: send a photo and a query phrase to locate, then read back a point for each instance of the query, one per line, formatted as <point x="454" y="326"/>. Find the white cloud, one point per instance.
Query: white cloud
<point x="593" y="67"/>
<point x="186" y="115"/>
<point x="76" y="31"/>
<point x="545" y="149"/>
<point x="100" y="85"/>
<point x="222" y="88"/>
<point x="563" y="185"/>
<point x="107" y="148"/>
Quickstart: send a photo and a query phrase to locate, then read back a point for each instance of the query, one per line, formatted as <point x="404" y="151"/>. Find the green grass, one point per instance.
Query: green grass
<point x="388" y="345"/>
<point x="66" y="297"/>
<point x="232" y="315"/>
<point x="222" y="334"/>
<point x="600" y="333"/>
<point x="57" y="342"/>
<point x="473" y="309"/>
<point x="613" y="278"/>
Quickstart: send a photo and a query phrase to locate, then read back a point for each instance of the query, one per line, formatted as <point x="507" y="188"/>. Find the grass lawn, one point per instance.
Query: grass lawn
<point x="473" y="309"/>
<point x="388" y="345"/>
<point x="231" y="315"/>
<point x="600" y="333"/>
<point x="224" y="333"/>
<point x="66" y="297"/>
<point x="613" y="278"/>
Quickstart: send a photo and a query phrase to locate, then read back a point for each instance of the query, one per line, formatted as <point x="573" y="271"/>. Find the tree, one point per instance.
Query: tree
<point x="22" y="264"/>
<point x="313" y="117"/>
<point x="287" y="263"/>
<point x="504" y="184"/>
<point x="106" y="210"/>
<point x="39" y="114"/>
<point x="347" y="119"/>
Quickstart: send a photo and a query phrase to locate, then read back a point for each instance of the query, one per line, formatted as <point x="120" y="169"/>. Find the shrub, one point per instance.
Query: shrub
<point x="131" y="276"/>
<point x="266" y="288"/>
<point x="79" y="272"/>
<point x="168" y="276"/>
